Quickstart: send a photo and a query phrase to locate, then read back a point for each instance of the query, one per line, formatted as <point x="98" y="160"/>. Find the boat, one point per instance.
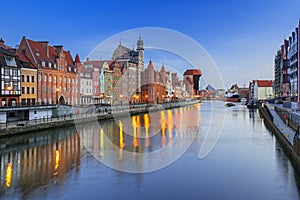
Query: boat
<point x="232" y="97"/>
<point x="243" y="101"/>
<point x="229" y="104"/>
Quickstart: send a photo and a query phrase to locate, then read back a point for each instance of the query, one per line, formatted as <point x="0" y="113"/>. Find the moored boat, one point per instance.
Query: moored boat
<point x="243" y="101"/>
<point x="229" y="97"/>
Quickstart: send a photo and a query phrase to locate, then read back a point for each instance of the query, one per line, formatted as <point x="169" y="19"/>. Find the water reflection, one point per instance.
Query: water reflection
<point x="38" y="160"/>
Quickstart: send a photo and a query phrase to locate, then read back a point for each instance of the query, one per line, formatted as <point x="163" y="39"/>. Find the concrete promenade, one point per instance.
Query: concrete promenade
<point x="285" y="129"/>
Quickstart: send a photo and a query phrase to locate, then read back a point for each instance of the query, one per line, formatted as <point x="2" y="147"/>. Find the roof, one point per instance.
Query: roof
<point x="98" y="63"/>
<point x="264" y="83"/>
<point x="195" y="72"/>
<point x="25" y="61"/>
<point x="150" y="65"/>
<point x="43" y="52"/>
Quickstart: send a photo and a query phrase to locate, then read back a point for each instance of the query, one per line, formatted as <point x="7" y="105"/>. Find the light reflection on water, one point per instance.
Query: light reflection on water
<point x="247" y="162"/>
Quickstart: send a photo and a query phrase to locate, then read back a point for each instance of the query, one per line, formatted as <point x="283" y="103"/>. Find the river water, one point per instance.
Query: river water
<point x="151" y="156"/>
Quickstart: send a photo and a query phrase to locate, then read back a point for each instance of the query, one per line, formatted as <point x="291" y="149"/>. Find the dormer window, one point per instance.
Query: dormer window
<point x="10" y="61"/>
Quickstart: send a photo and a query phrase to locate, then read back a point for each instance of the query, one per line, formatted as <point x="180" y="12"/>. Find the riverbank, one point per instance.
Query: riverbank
<point x="70" y="120"/>
<point x="284" y="134"/>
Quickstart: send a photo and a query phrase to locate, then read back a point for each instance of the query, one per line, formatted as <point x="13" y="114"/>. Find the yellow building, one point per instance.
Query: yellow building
<point x="28" y="82"/>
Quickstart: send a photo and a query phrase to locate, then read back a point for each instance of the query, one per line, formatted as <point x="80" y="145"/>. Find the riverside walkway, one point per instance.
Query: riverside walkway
<point x="287" y="131"/>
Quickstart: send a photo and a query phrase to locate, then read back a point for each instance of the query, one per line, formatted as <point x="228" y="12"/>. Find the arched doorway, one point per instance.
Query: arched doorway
<point x="3" y="102"/>
<point x="62" y="100"/>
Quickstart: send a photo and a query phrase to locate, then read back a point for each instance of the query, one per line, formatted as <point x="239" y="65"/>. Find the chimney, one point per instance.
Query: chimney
<point x="59" y="48"/>
<point x="45" y="47"/>
<point x="2" y="43"/>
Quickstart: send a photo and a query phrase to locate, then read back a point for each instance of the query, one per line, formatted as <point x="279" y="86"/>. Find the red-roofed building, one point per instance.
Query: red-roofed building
<point x="262" y="90"/>
<point x="193" y="76"/>
<point x="57" y="73"/>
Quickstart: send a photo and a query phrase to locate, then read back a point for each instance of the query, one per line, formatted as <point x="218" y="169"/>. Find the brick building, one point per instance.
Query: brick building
<point x="57" y="74"/>
<point x="153" y="85"/>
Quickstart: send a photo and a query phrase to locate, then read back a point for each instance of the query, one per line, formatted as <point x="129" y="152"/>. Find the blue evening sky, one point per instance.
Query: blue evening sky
<point x="241" y="37"/>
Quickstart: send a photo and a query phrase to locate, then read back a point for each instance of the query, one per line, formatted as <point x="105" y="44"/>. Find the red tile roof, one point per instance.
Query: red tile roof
<point x="264" y="83"/>
<point x="77" y="59"/>
<point x="98" y="63"/>
<point x="193" y="72"/>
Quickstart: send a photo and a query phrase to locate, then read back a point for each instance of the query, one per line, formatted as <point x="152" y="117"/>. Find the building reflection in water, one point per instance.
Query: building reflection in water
<point x="124" y="141"/>
<point x="32" y="161"/>
<point x="37" y="159"/>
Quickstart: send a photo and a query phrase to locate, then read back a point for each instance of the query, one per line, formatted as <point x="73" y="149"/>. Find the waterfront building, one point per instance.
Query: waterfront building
<point x="293" y="67"/>
<point x="106" y="83"/>
<point x="284" y="76"/>
<point x="193" y="77"/>
<point x="57" y="74"/>
<point x="153" y="86"/>
<point x="133" y="61"/>
<point x="169" y="86"/>
<point x="28" y="81"/>
<point x="85" y="80"/>
<point x="277" y="65"/>
<point x="263" y="89"/>
<point x="10" y="75"/>
<point x="95" y="66"/>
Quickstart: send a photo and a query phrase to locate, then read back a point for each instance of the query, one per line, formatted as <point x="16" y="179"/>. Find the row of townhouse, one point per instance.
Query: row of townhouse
<point x="286" y="70"/>
<point x="37" y="73"/>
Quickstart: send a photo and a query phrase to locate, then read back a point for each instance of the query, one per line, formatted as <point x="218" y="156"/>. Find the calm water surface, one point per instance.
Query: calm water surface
<point x="246" y="163"/>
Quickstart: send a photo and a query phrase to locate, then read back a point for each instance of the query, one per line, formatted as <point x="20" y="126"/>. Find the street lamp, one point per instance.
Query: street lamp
<point x="9" y="89"/>
<point x="57" y="90"/>
<point x="121" y="96"/>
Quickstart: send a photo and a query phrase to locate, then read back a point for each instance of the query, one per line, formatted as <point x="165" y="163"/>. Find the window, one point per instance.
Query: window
<point x="50" y="78"/>
<point x="60" y="79"/>
<point x="73" y="80"/>
<point x="40" y="78"/>
<point x="32" y="90"/>
<point x="22" y="78"/>
<point x="28" y="90"/>
<point x="23" y="51"/>
<point x="65" y="80"/>
<point x="69" y="80"/>
<point x="43" y="64"/>
<point x="10" y="61"/>
<point x="45" y="78"/>
<point x="23" y="90"/>
<point x="54" y="79"/>
<point x="28" y="78"/>
<point x="32" y="79"/>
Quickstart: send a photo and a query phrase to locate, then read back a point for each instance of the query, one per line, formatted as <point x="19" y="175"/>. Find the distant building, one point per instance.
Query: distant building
<point x="263" y="89"/>
<point x="194" y="76"/>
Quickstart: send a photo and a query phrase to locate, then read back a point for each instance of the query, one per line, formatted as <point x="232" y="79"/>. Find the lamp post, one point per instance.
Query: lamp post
<point x="9" y="88"/>
<point x="121" y="97"/>
<point x="57" y="90"/>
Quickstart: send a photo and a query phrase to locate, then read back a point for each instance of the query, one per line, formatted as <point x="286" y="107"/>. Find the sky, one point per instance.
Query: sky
<point x="241" y="37"/>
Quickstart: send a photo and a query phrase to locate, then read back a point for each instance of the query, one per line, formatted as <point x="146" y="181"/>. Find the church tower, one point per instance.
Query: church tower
<point x="140" y="49"/>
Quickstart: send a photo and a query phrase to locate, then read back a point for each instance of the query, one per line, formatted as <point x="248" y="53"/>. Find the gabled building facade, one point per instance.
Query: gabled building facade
<point x="10" y="89"/>
<point x="57" y="74"/>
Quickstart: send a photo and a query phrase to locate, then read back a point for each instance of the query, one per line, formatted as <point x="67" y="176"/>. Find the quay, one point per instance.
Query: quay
<point x="99" y="113"/>
<point x="285" y="129"/>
